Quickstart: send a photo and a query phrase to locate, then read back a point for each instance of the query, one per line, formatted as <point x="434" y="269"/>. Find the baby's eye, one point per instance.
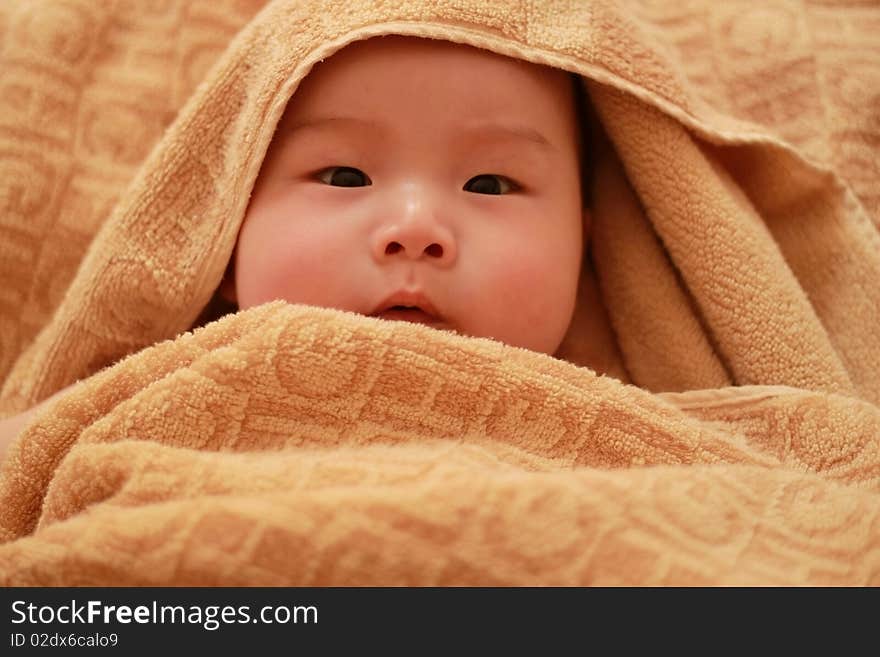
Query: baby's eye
<point x="488" y="183"/>
<point x="344" y="177"/>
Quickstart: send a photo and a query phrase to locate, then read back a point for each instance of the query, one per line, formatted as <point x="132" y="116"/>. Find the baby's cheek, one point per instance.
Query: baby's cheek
<point x="532" y="300"/>
<point x="300" y="274"/>
<point x="520" y="287"/>
<point x="258" y="282"/>
<point x="276" y="259"/>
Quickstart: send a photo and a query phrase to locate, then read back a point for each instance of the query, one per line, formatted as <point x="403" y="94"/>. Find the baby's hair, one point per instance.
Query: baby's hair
<point x="585" y="122"/>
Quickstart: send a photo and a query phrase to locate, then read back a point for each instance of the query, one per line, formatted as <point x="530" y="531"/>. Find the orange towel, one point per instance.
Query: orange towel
<point x="719" y="427"/>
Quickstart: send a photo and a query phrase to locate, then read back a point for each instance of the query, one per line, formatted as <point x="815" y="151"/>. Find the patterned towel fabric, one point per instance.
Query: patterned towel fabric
<point x="711" y="419"/>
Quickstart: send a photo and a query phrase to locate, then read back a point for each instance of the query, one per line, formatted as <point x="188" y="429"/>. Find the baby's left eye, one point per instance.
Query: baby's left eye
<point x="489" y="183"/>
<point x="344" y="177"/>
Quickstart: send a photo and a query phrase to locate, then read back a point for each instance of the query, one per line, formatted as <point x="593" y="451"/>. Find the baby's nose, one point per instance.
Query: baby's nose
<point x="414" y="250"/>
<point x="415" y="245"/>
<point x="415" y="234"/>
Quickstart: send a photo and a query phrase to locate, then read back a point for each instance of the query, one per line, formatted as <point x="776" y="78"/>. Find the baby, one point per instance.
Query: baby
<point x="425" y="181"/>
<point x="419" y="180"/>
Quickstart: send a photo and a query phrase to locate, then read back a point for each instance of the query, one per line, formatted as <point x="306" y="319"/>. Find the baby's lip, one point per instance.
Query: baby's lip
<point x="409" y="306"/>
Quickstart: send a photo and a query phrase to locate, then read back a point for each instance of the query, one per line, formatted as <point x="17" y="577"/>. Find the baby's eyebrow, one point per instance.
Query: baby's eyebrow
<point x="495" y="130"/>
<point x="329" y="121"/>
<point x="490" y="130"/>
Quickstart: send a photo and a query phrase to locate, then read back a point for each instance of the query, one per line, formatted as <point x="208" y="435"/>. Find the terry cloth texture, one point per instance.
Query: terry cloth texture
<point x="711" y="419"/>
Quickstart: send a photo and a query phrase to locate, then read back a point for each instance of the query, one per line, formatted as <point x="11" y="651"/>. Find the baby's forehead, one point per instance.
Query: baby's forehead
<point x="379" y="51"/>
<point x="395" y="75"/>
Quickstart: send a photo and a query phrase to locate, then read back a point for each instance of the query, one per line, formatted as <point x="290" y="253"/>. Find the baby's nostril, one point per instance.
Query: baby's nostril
<point x="392" y="248"/>
<point x="435" y="250"/>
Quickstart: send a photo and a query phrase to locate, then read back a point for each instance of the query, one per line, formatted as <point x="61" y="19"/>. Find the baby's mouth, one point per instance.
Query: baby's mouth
<point x="409" y="306"/>
<point x="408" y="314"/>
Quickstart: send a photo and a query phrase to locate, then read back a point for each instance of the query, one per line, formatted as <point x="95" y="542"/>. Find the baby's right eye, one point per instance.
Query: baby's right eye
<point x="344" y="177"/>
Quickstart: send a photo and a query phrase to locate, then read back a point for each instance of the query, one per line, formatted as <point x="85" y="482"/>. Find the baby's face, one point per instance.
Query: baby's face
<point x="422" y="181"/>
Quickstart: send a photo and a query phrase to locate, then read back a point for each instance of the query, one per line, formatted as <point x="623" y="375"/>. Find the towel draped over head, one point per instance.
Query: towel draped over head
<point x="711" y="417"/>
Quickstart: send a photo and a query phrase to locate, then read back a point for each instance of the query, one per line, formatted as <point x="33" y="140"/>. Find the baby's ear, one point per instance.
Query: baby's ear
<point x="227" y="285"/>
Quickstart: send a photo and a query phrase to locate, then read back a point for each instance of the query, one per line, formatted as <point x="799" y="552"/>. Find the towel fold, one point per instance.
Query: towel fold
<point x="712" y="416"/>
